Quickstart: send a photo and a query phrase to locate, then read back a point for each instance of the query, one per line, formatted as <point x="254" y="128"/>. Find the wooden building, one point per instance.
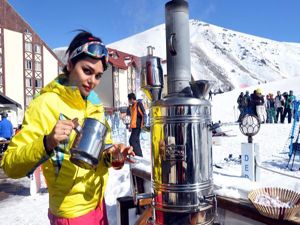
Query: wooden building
<point x="26" y="62"/>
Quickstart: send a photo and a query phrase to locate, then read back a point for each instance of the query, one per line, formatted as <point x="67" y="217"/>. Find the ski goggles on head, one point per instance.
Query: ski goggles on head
<point x="95" y="49"/>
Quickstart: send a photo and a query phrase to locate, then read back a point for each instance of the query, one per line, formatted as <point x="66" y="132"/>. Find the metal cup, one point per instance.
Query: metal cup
<point x="88" y="144"/>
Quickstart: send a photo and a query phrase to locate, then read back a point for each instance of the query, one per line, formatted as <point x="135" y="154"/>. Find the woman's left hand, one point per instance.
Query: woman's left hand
<point x="120" y="154"/>
<point x="123" y="149"/>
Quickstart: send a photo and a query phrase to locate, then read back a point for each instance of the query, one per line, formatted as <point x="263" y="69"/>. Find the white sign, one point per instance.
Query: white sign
<point x="248" y="162"/>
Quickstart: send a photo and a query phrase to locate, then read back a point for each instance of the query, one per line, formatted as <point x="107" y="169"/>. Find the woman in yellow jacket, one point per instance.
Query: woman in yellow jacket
<point x="75" y="194"/>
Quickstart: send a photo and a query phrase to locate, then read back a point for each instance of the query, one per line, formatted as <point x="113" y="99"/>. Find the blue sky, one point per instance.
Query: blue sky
<point x="112" y="20"/>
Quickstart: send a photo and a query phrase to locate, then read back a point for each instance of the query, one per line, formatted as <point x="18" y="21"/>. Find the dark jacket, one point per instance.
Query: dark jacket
<point x="257" y="99"/>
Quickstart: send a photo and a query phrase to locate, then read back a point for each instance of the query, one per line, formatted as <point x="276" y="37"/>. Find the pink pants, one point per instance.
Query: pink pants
<point x="95" y="217"/>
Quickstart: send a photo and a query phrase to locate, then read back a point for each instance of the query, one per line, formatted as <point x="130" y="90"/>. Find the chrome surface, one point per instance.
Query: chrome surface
<point x="178" y="46"/>
<point x="88" y="144"/>
<point x="150" y="50"/>
<point x="152" y="78"/>
<point x="201" y="88"/>
<point x="203" y="217"/>
<point x="141" y="168"/>
<point x="181" y="154"/>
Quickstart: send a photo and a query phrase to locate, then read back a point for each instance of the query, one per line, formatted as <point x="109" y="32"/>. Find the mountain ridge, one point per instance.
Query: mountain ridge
<point x="231" y="58"/>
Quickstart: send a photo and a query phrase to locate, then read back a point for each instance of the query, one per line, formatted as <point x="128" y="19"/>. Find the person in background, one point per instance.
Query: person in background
<point x="137" y="121"/>
<point x="75" y="194"/>
<point x="210" y="93"/>
<point x="288" y="106"/>
<point x="279" y="103"/>
<point x="241" y="106"/>
<point x="137" y="113"/>
<point x="6" y="127"/>
<point x="270" y="106"/>
<point x="252" y="105"/>
<point x="247" y="100"/>
<point x="259" y="103"/>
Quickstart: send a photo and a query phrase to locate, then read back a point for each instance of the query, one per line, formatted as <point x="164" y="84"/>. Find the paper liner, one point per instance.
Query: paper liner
<point x="285" y="195"/>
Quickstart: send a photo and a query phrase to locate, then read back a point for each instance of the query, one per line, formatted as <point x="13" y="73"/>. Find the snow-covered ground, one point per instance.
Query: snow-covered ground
<point x="28" y="210"/>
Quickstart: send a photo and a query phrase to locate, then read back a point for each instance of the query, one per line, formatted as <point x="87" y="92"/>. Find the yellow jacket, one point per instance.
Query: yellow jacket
<point x="73" y="191"/>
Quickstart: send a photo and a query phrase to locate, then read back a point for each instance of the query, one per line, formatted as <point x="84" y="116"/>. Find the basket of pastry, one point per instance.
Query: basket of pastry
<point x="276" y="203"/>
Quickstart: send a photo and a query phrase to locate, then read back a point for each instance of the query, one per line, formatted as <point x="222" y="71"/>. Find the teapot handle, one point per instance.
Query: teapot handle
<point x="78" y="128"/>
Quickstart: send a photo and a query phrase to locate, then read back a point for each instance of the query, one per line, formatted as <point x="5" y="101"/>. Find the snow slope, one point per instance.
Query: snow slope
<point x="231" y="58"/>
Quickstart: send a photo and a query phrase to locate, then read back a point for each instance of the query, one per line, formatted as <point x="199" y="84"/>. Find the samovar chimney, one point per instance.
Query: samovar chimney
<point x="178" y="46"/>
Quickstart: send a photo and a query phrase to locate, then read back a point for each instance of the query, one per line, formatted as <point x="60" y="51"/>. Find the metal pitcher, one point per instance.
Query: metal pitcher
<point x="88" y="144"/>
<point x="152" y="80"/>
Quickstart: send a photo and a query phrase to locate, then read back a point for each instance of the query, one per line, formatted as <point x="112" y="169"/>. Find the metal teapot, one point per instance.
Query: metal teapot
<point x="88" y="144"/>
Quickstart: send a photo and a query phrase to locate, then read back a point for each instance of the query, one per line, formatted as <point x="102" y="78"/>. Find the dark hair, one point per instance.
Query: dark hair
<point x="4" y="114"/>
<point x="131" y="96"/>
<point x="81" y="38"/>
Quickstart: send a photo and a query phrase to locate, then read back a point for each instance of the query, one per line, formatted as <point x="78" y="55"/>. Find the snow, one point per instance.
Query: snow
<point x="24" y="210"/>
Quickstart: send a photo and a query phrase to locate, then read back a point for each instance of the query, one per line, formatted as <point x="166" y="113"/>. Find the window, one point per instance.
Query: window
<point x="28" y="47"/>
<point x="28" y="64"/>
<point x="37" y="66"/>
<point x="28" y="99"/>
<point x="38" y="83"/>
<point x="114" y="55"/>
<point x="28" y="82"/>
<point x="37" y="49"/>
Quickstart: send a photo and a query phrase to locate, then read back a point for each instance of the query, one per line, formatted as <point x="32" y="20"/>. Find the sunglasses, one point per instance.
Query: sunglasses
<point x="95" y="49"/>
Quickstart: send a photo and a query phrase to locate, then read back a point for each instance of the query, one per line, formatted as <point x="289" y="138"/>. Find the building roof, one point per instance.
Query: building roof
<point x="6" y="100"/>
<point x="121" y="59"/>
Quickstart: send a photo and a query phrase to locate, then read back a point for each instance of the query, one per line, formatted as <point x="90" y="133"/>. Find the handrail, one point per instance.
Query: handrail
<point x="274" y="171"/>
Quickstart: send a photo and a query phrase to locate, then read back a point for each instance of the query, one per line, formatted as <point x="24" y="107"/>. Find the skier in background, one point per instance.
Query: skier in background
<point x="279" y="103"/>
<point x="288" y="106"/>
<point x="247" y="100"/>
<point x="259" y="103"/>
<point x="6" y="127"/>
<point x="270" y="106"/>
<point x="241" y="106"/>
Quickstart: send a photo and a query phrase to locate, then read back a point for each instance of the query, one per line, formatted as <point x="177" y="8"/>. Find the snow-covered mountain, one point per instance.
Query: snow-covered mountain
<point x="231" y="58"/>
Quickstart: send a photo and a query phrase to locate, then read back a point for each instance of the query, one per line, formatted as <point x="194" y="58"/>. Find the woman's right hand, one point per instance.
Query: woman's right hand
<point x="60" y="132"/>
